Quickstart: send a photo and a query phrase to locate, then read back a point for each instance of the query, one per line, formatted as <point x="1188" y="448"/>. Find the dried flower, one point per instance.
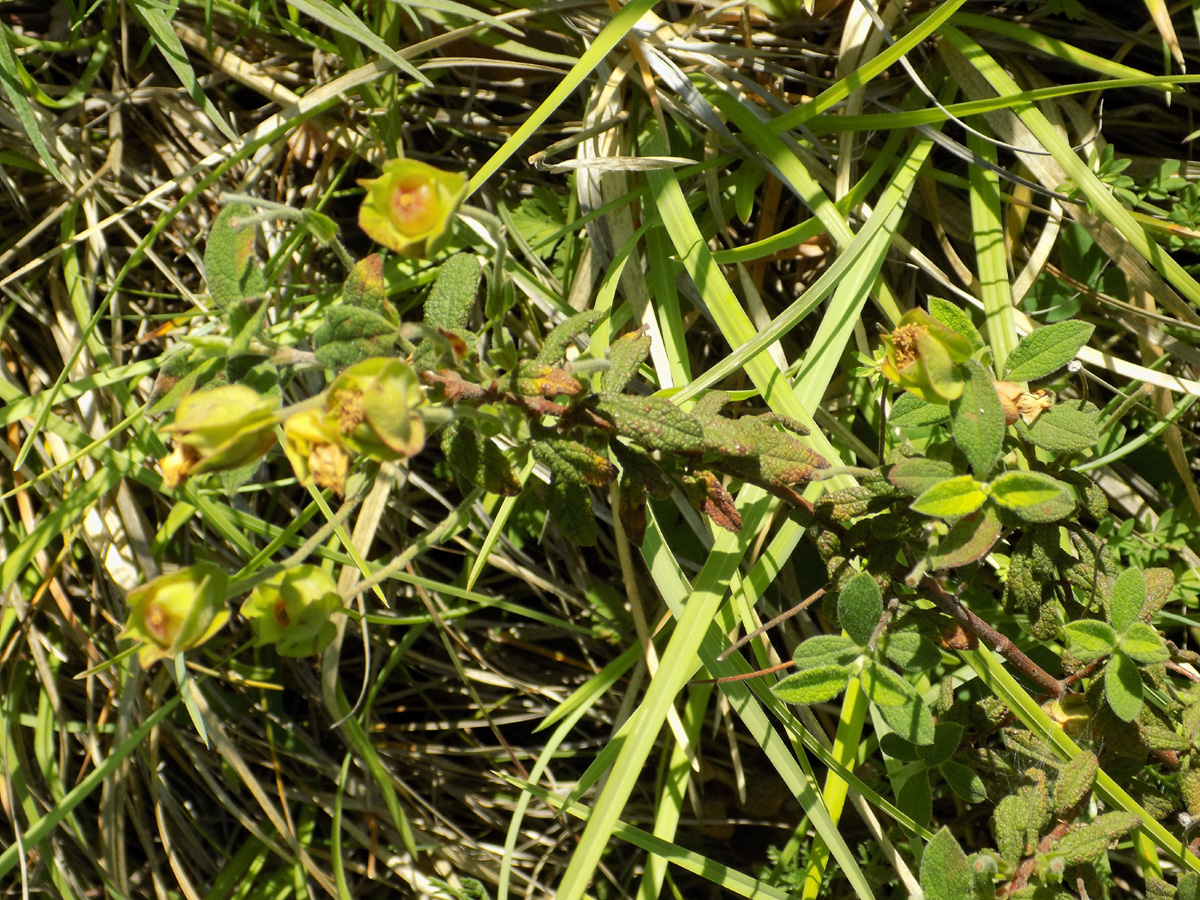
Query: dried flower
<point x="313" y="446"/>
<point x="222" y="428"/>
<point x="925" y="357"/>
<point x="374" y="404"/>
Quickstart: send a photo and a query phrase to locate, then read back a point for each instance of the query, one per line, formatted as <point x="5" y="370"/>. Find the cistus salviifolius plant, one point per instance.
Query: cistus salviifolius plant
<point x="988" y="479"/>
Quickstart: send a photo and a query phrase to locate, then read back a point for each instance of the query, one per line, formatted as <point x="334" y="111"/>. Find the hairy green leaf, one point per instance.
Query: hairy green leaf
<point x="969" y="540"/>
<point x="1066" y="427"/>
<point x="1074" y="782"/>
<point x="916" y="798"/>
<point x="1127" y="599"/>
<point x="977" y="419"/>
<point x="910" y="411"/>
<point x="917" y="474"/>
<point x="954" y="317"/>
<point x="654" y="422"/>
<point x="1144" y="645"/>
<point x="626" y="356"/>
<point x="953" y="497"/>
<point x="1086" y="843"/>
<point x="1089" y="639"/>
<point x="825" y="650"/>
<point x="815" y="685"/>
<point x="860" y="606"/>
<point x="1033" y="496"/>
<point x="230" y="267"/>
<point x="946" y="738"/>
<point x="885" y="687"/>
<point x="1047" y="350"/>
<point x="1123" y="687"/>
<point x="453" y="296"/>
<point x="554" y="350"/>
<point x="964" y="781"/>
<point x="945" y="871"/>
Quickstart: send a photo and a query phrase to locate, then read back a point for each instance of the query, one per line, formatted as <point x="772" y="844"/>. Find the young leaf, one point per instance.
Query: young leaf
<point x="825" y="650"/>
<point x="1123" y="687"/>
<point x="1047" y="350"/>
<point x="706" y="493"/>
<point x="1128" y="598"/>
<point x="953" y="497"/>
<point x="969" y="540"/>
<point x="953" y="317"/>
<point x="1089" y="639"/>
<point x="910" y="411"/>
<point x="555" y="348"/>
<point x="911" y="650"/>
<point x="860" y="606"/>
<point x="945" y="871"/>
<point x="1033" y="496"/>
<point x="977" y="419"/>
<point x="1143" y="644"/>
<point x="1067" y="427"/>
<point x="917" y="474"/>
<point x="815" y="685"/>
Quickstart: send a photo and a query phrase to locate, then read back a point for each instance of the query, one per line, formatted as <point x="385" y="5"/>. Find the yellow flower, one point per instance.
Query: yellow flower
<point x="292" y="610"/>
<point x="409" y="207"/>
<point x="176" y="612"/>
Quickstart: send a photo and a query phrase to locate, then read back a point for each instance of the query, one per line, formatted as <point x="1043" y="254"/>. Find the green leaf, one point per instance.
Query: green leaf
<point x="554" y="350"/>
<point x="911" y="650"/>
<point x="1189" y="886"/>
<point x="946" y="738"/>
<point x="898" y="748"/>
<point x="654" y="422"/>
<point x="1128" y="598"/>
<point x="954" y="317"/>
<point x="570" y="504"/>
<point x="1066" y="427"/>
<point x="1074" y="782"/>
<point x="1123" y="687"/>
<point x="574" y="461"/>
<point x="969" y="540"/>
<point x="1033" y="496"/>
<point x="917" y="474"/>
<point x="825" y="650"/>
<point x="815" y="685"/>
<point x="626" y="356"/>
<point x="945" y="871"/>
<point x="1089" y="639"/>
<point x="1143" y="644"/>
<point x="916" y="798"/>
<point x="453" y="296"/>
<point x="350" y="334"/>
<point x="977" y="418"/>
<point x="964" y="782"/>
<point x="953" y="497"/>
<point x="913" y="721"/>
<point x="230" y="267"/>
<point x="10" y="79"/>
<point x="860" y="606"/>
<point x="910" y="411"/>
<point x="885" y="687"/>
<point x="1047" y="350"/>
<point x="1086" y="843"/>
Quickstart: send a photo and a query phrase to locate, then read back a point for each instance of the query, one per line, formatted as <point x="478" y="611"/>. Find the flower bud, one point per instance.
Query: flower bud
<point x="293" y="609"/>
<point x="222" y="428"/>
<point x="925" y="357"/>
<point x="313" y="447"/>
<point x="410" y="206"/>
<point x="176" y="612"/>
<point x="374" y="404"/>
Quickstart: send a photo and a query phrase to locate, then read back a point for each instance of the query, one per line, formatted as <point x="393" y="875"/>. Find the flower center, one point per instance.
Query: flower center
<point x="414" y="206"/>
